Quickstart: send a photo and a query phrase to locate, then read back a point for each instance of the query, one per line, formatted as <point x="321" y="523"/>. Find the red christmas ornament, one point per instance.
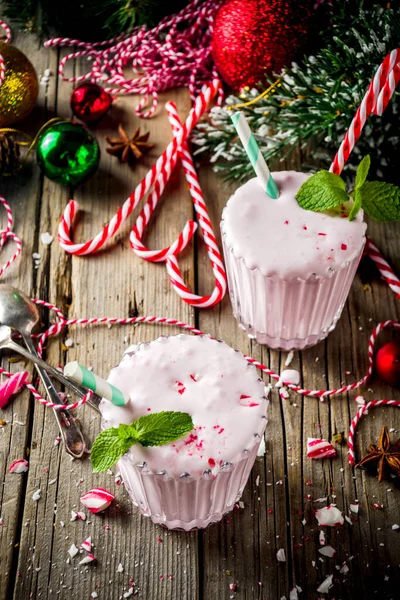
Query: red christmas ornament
<point x="254" y="38"/>
<point x="89" y="102"/>
<point x="387" y="363"/>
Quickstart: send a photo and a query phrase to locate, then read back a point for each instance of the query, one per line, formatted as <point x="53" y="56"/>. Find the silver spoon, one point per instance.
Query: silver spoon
<point x="20" y="313"/>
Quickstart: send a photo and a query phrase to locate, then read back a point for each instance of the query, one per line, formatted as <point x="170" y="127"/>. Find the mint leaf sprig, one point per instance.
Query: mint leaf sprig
<point x="156" y="429"/>
<point x="327" y="191"/>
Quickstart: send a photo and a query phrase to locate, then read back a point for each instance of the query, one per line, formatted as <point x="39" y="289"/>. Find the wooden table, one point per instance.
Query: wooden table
<point x="277" y="512"/>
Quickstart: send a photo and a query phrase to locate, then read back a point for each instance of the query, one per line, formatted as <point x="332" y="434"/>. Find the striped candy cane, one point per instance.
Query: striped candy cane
<point x="375" y="101"/>
<point x="159" y="170"/>
<point x="385" y="269"/>
<point x="158" y="176"/>
<point x="169" y="255"/>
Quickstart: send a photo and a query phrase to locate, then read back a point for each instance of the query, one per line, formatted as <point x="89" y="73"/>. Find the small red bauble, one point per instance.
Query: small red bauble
<point x="387" y="363"/>
<point x="90" y="102"/>
<point x="254" y="38"/>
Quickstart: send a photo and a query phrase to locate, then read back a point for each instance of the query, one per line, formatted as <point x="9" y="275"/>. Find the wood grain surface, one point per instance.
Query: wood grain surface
<point x="279" y="500"/>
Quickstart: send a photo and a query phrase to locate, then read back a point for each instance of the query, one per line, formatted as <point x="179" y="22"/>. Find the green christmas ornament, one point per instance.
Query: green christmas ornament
<point x="67" y="153"/>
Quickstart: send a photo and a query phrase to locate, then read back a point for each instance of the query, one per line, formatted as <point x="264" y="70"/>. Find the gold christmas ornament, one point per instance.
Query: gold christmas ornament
<point x="19" y="90"/>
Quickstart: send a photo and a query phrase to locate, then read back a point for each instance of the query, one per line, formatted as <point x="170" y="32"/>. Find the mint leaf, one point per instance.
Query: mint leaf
<point x="356" y="206"/>
<point x="161" y="428"/>
<point x="151" y="430"/>
<point x="362" y="171"/>
<point x="107" y="449"/>
<point x="322" y="191"/>
<point x="380" y="200"/>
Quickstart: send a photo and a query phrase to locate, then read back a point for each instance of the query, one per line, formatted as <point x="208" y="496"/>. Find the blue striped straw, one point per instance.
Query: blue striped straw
<point x="254" y="153"/>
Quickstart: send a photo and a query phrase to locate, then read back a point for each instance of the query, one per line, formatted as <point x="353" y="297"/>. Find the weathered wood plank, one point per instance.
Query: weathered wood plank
<point x="114" y="283"/>
<point x="23" y="194"/>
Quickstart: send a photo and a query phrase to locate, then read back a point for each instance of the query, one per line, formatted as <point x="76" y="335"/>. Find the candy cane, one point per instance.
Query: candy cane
<point x="169" y="254"/>
<point x="385" y="269"/>
<point x="159" y="175"/>
<point x="175" y="53"/>
<point x="375" y="101"/>
<point x="356" y="419"/>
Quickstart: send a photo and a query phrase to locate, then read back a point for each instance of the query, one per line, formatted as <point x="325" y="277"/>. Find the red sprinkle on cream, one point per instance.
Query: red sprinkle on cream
<point x="343" y="247"/>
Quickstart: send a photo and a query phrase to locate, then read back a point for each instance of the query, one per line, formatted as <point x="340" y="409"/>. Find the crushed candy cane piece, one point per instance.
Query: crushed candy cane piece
<point x="120" y="568"/>
<point x="233" y="587"/>
<point x="350" y="522"/>
<point x="118" y="478"/>
<point x="378" y="506"/>
<point x="261" y="449"/>
<point x="345" y="569"/>
<point x="19" y="466"/>
<point x="360" y="400"/>
<point x="46" y="238"/>
<point x="288" y="376"/>
<point x="128" y="594"/>
<point x="36" y="495"/>
<point x="73" y="551"/>
<point x="87" y="544"/>
<point x="78" y="515"/>
<point x="322" y="537"/>
<point x="289" y="358"/>
<point x="97" y="500"/>
<point x="280" y="555"/>
<point x="329" y="516"/>
<point x="12" y="386"/>
<point x="87" y="559"/>
<point x="325" y="585"/>
<point x="69" y="343"/>
<point x="354" y="508"/>
<point x="317" y="448"/>
<point x="293" y="595"/>
<point x="94" y="595"/>
<point x="395" y="527"/>
<point x="327" y="551"/>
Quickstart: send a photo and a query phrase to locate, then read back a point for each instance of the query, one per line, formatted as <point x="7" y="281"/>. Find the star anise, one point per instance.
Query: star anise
<point x="384" y="455"/>
<point x="129" y="149"/>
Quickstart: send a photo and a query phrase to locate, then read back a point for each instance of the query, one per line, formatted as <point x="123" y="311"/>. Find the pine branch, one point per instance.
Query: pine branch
<point x="317" y="100"/>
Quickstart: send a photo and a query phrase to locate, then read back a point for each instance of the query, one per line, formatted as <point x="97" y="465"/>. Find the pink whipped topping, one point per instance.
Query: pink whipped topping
<point x="203" y="377"/>
<point x="281" y="238"/>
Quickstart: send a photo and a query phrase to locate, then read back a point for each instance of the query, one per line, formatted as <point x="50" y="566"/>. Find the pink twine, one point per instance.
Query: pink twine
<point x="176" y="53"/>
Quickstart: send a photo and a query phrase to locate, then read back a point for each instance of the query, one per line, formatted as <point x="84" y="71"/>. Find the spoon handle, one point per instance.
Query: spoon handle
<point x="69" y="428"/>
<point x="94" y="401"/>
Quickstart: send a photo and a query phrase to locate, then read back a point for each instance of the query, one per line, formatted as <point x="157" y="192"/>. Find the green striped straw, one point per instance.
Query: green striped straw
<point x="78" y="373"/>
<point x="254" y="154"/>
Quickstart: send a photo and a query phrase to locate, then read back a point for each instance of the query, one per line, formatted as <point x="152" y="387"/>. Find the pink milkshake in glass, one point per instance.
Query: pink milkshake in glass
<point x="289" y="269"/>
<point x="195" y="480"/>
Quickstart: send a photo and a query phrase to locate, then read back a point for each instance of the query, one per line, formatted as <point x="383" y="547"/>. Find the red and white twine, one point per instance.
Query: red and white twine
<point x="158" y="177"/>
<point x="175" y="53"/>
<point x="7" y="40"/>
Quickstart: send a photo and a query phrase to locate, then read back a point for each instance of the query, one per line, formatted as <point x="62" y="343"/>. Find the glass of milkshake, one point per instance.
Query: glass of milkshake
<point x="289" y="269"/>
<point x="195" y="480"/>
